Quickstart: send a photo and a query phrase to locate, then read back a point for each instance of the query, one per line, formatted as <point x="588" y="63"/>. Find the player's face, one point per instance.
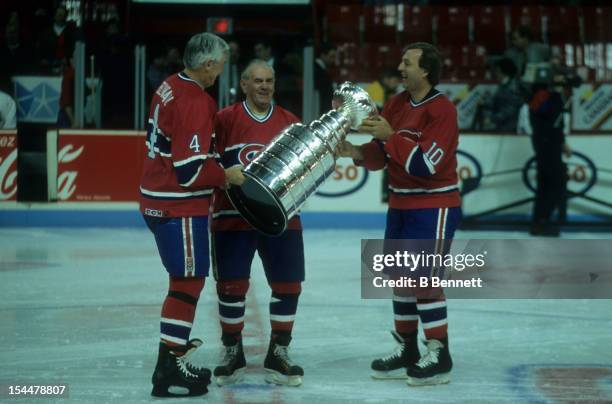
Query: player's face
<point x="259" y="87"/>
<point x="211" y="70"/>
<point x="412" y="74"/>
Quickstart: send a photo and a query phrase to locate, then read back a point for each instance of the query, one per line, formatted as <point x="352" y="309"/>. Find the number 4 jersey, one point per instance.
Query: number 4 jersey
<point x="241" y="135"/>
<point x="179" y="170"/>
<point x="421" y="156"/>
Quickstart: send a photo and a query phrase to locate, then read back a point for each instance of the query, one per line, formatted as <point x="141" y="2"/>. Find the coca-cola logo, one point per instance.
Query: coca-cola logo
<point x="66" y="180"/>
<point x="8" y="180"/>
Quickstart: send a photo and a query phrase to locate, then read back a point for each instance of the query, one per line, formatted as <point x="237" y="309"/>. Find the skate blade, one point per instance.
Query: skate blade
<point x="236" y="377"/>
<point x="274" y="377"/>
<point x="397" y="374"/>
<point x="178" y="391"/>
<point x="442" y="378"/>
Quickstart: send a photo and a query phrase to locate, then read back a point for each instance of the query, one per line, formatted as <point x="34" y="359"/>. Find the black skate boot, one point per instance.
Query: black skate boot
<point x="434" y="367"/>
<point x="233" y="364"/>
<point x="192" y="345"/>
<point x="393" y="366"/>
<point x="279" y="368"/>
<point x="174" y="376"/>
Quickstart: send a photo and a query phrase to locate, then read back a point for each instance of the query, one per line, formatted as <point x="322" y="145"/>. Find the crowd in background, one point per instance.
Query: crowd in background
<point x="43" y="42"/>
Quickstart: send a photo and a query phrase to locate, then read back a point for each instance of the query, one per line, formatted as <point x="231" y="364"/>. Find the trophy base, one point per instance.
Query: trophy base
<point x="258" y="206"/>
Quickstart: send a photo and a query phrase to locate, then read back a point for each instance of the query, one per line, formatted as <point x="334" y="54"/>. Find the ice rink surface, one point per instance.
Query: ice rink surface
<point x="82" y="306"/>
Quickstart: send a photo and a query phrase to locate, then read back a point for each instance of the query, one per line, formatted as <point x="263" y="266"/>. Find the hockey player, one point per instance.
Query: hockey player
<point x="242" y="130"/>
<point x="179" y="174"/>
<point x="416" y="138"/>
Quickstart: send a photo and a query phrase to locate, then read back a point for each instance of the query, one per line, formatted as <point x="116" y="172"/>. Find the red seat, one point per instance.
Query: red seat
<point x="343" y="22"/>
<point x="347" y="54"/>
<point x="418" y="24"/>
<point x="380" y="23"/>
<point x="595" y="24"/>
<point x="379" y="56"/>
<point x="452" y="25"/>
<point x="473" y="56"/>
<point x="530" y="16"/>
<point x="560" y="24"/>
<point x="350" y="66"/>
<point x="490" y="28"/>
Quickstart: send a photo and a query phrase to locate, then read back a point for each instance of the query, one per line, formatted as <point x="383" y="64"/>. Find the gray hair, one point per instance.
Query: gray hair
<point x="246" y="73"/>
<point x="203" y="47"/>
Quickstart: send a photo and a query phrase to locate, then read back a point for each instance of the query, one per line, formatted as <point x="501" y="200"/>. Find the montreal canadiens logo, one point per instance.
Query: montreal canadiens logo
<point x="249" y="152"/>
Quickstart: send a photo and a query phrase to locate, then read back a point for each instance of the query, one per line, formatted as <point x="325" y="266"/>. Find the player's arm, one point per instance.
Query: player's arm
<point x="193" y="155"/>
<point x="233" y="175"/>
<point x="370" y="155"/>
<point x="435" y="145"/>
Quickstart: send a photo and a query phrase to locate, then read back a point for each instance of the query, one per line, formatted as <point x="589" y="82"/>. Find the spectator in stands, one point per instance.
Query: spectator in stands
<point x="525" y="50"/>
<point x="8" y="112"/>
<point x="56" y="40"/>
<point x="65" y="116"/>
<point x="236" y="65"/>
<point x="157" y="72"/>
<point x="14" y="56"/>
<point x="287" y="91"/>
<point x="501" y="110"/>
<point x="263" y="51"/>
<point x="164" y="65"/>
<point x="174" y="60"/>
<point x="116" y="63"/>
<point x="323" y="82"/>
<point x="388" y="84"/>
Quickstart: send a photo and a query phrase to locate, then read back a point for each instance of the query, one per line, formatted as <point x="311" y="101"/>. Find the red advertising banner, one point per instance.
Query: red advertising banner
<point x="8" y="165"/>
<point x="99" y="166"/>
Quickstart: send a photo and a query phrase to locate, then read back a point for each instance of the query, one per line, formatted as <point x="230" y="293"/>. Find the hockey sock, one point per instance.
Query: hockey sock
<point x="231" y="294"/>
<point x="405" y="314"/>
<point x="283" y="306"/>
<point x="433" y="317"/>
<point x="178" y="310"/>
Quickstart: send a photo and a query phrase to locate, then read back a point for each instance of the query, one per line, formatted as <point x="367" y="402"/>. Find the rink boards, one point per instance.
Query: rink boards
<point x="93" y="178"/>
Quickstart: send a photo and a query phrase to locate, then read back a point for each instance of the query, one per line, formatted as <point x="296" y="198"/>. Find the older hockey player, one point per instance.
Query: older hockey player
<point x="242" y="130"/>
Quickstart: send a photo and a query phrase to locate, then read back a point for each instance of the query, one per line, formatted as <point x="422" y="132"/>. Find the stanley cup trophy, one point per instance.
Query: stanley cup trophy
<point x="297" y="161"/>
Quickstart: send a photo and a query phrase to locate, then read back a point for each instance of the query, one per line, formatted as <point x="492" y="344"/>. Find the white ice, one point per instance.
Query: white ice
<point x="82" y="306"/>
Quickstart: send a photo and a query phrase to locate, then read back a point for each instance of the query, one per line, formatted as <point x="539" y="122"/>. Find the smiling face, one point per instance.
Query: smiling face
<point x="413" y="75"/>
<point x="259" y="86"/>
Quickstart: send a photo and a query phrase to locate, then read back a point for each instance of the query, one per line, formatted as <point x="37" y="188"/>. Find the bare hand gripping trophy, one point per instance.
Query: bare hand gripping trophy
<point x="297" y="162"/>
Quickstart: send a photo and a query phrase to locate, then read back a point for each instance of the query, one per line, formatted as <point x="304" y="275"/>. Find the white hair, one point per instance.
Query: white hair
<point x="203" y="47"/>
<point x="246" y="73"/>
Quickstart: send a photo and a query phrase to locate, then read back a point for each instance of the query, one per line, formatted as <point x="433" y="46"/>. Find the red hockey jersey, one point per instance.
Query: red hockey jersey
<point x="240" y="135"/>
<point x="421" y="155"/>
<point x="179" y="170"/>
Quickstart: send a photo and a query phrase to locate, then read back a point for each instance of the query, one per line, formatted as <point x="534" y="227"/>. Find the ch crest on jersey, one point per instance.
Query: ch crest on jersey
<point x="249" y="152"/>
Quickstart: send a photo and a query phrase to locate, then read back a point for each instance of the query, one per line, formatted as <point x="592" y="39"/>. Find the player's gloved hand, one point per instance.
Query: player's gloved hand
<point x="377" y="127"/>
<point x="347" y="149"/>
<point x="234" y="176"/>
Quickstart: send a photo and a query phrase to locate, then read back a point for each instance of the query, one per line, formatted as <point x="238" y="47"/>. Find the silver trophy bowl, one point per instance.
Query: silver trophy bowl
<point x="296" y="162"/>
